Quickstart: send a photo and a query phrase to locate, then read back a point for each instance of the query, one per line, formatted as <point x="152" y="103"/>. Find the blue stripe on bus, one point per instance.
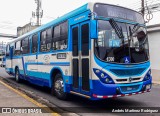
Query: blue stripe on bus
<point x="61" y="63"/>
<point x="51" y="63"/>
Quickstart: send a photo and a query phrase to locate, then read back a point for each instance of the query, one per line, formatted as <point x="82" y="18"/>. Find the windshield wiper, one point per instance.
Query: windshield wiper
<point x="117" y="29"/>
<point x="133" y="31"/>
<point x="135" y="28"/>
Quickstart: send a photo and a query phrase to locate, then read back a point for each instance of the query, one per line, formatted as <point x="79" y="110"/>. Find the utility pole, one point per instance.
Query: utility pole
<point x="142" y="7"/>
<point x="38" y="13"/>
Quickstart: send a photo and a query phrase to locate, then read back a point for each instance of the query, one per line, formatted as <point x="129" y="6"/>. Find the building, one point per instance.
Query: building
<point x="154" y="42"/>
<point x="26" y="28"/>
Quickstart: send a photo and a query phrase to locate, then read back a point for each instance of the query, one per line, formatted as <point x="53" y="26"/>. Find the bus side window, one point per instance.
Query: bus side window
<point x="56" y="37"/>
<point x="17" y="48"/>
<point x="35" y="43"/>
<point x="25" y="46"/>
<point x="7" y="50"/>
<point x="60" y="36"/>
<point x="46" y="37"/>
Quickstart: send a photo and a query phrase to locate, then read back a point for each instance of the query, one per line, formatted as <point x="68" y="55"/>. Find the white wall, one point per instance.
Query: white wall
<point x="154" y="44"/>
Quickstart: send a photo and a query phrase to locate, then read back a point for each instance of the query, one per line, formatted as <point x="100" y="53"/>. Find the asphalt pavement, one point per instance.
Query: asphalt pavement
<point x="83" y="106"/>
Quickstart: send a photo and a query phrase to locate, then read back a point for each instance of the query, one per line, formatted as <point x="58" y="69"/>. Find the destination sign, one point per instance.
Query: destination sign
<point x="110" y="11"/>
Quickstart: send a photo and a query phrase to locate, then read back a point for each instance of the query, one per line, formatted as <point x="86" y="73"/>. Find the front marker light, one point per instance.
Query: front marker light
<point x="107" y="80"/>
<point x="97" y="71"/>
<point x="102" y="75"/>
<point x="149" y="72"/>
<point x="147" y="76"/>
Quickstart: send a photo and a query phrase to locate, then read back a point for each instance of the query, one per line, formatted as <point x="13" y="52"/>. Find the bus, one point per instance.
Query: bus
<point x="96" y="51"/>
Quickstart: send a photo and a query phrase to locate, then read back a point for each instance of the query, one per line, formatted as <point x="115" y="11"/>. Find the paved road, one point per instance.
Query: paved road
<point x="83" y="106"/>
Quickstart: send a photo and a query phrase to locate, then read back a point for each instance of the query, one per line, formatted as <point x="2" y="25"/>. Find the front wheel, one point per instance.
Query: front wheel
<point x="58" y="87"/>
<point x="17" y="76"/>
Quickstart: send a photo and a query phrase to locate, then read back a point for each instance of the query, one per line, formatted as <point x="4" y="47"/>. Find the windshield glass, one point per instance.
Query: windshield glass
<point x="132" y="48"/>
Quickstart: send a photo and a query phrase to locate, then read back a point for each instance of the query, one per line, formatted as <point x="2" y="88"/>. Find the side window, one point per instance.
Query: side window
<point x="60" y="36"/>
<point x="35" y="43"/>
<point x="17" y="48"/>
<point x="25" y="46"/>
<point x="46" y="37"/>
<point x="56" y="37"/>
<point x="7" y="50"/>
<point x="12" y="45"/>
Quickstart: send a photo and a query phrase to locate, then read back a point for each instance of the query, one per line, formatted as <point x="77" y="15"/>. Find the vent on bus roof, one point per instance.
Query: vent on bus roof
<point x="127" y="72"/>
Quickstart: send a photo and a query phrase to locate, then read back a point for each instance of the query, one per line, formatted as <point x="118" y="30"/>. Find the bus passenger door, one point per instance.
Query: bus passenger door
<point x="80" y="57"/>
<point x="32" y="60"/>
<point x="9" y="55"/>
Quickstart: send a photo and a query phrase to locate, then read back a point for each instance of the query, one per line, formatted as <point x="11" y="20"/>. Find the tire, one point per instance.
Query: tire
<point x="17" y="76"/>
<point x="58" y="88"/>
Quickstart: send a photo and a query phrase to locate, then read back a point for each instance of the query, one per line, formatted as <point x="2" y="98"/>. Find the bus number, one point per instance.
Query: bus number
<point x="110" y="59"/>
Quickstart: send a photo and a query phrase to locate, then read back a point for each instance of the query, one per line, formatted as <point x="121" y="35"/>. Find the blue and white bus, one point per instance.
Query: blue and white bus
<point x="96" y="51"/>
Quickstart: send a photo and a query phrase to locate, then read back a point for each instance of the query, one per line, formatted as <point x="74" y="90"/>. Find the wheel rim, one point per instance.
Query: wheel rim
<point x="59" y="86"/>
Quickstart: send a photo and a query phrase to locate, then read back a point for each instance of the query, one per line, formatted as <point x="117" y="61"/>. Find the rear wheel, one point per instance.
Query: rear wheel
<point x="58" y="87"/>
<point x="17" y="75"/>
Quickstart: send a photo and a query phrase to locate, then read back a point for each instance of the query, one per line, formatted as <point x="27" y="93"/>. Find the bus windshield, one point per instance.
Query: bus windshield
<point x="132" y="47"/>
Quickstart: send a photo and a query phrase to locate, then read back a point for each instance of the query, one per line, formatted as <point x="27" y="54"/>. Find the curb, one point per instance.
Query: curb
<point x="30" y="99"/>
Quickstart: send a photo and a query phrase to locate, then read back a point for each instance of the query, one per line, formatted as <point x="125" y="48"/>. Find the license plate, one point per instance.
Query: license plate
<point x="129" y="88"/>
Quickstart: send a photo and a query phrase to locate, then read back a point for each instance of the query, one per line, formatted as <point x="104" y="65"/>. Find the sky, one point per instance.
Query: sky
<point x="14" y="13"/>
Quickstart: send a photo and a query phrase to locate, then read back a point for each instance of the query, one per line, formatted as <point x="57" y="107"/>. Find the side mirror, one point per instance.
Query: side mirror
<point x="94" y="30"/>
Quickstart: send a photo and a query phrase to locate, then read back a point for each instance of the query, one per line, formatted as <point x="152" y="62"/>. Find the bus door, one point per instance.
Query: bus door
<point x="9" y="63"/>
<point x="9" y="55"/>
<point x="81" y="57"/>
<point x="32" y="66"/>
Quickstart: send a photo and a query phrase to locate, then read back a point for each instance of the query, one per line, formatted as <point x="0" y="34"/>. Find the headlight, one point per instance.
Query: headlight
<point x="104" y="77"/>
<point x="147" y="76"/>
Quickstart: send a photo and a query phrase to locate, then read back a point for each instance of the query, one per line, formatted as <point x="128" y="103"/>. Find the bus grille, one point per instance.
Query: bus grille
<point x="129" y="89"/>
<point x="128" y="72"/>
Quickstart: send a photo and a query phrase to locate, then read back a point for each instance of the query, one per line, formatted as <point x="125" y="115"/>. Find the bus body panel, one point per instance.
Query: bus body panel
<point x="38" y="68"/>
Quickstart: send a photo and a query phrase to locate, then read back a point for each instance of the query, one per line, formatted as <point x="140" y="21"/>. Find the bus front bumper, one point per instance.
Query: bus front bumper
<point x="102" y="91"/>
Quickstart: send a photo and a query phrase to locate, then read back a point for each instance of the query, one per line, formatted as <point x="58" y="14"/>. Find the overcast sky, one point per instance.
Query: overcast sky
<point x="14" y="13"/>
